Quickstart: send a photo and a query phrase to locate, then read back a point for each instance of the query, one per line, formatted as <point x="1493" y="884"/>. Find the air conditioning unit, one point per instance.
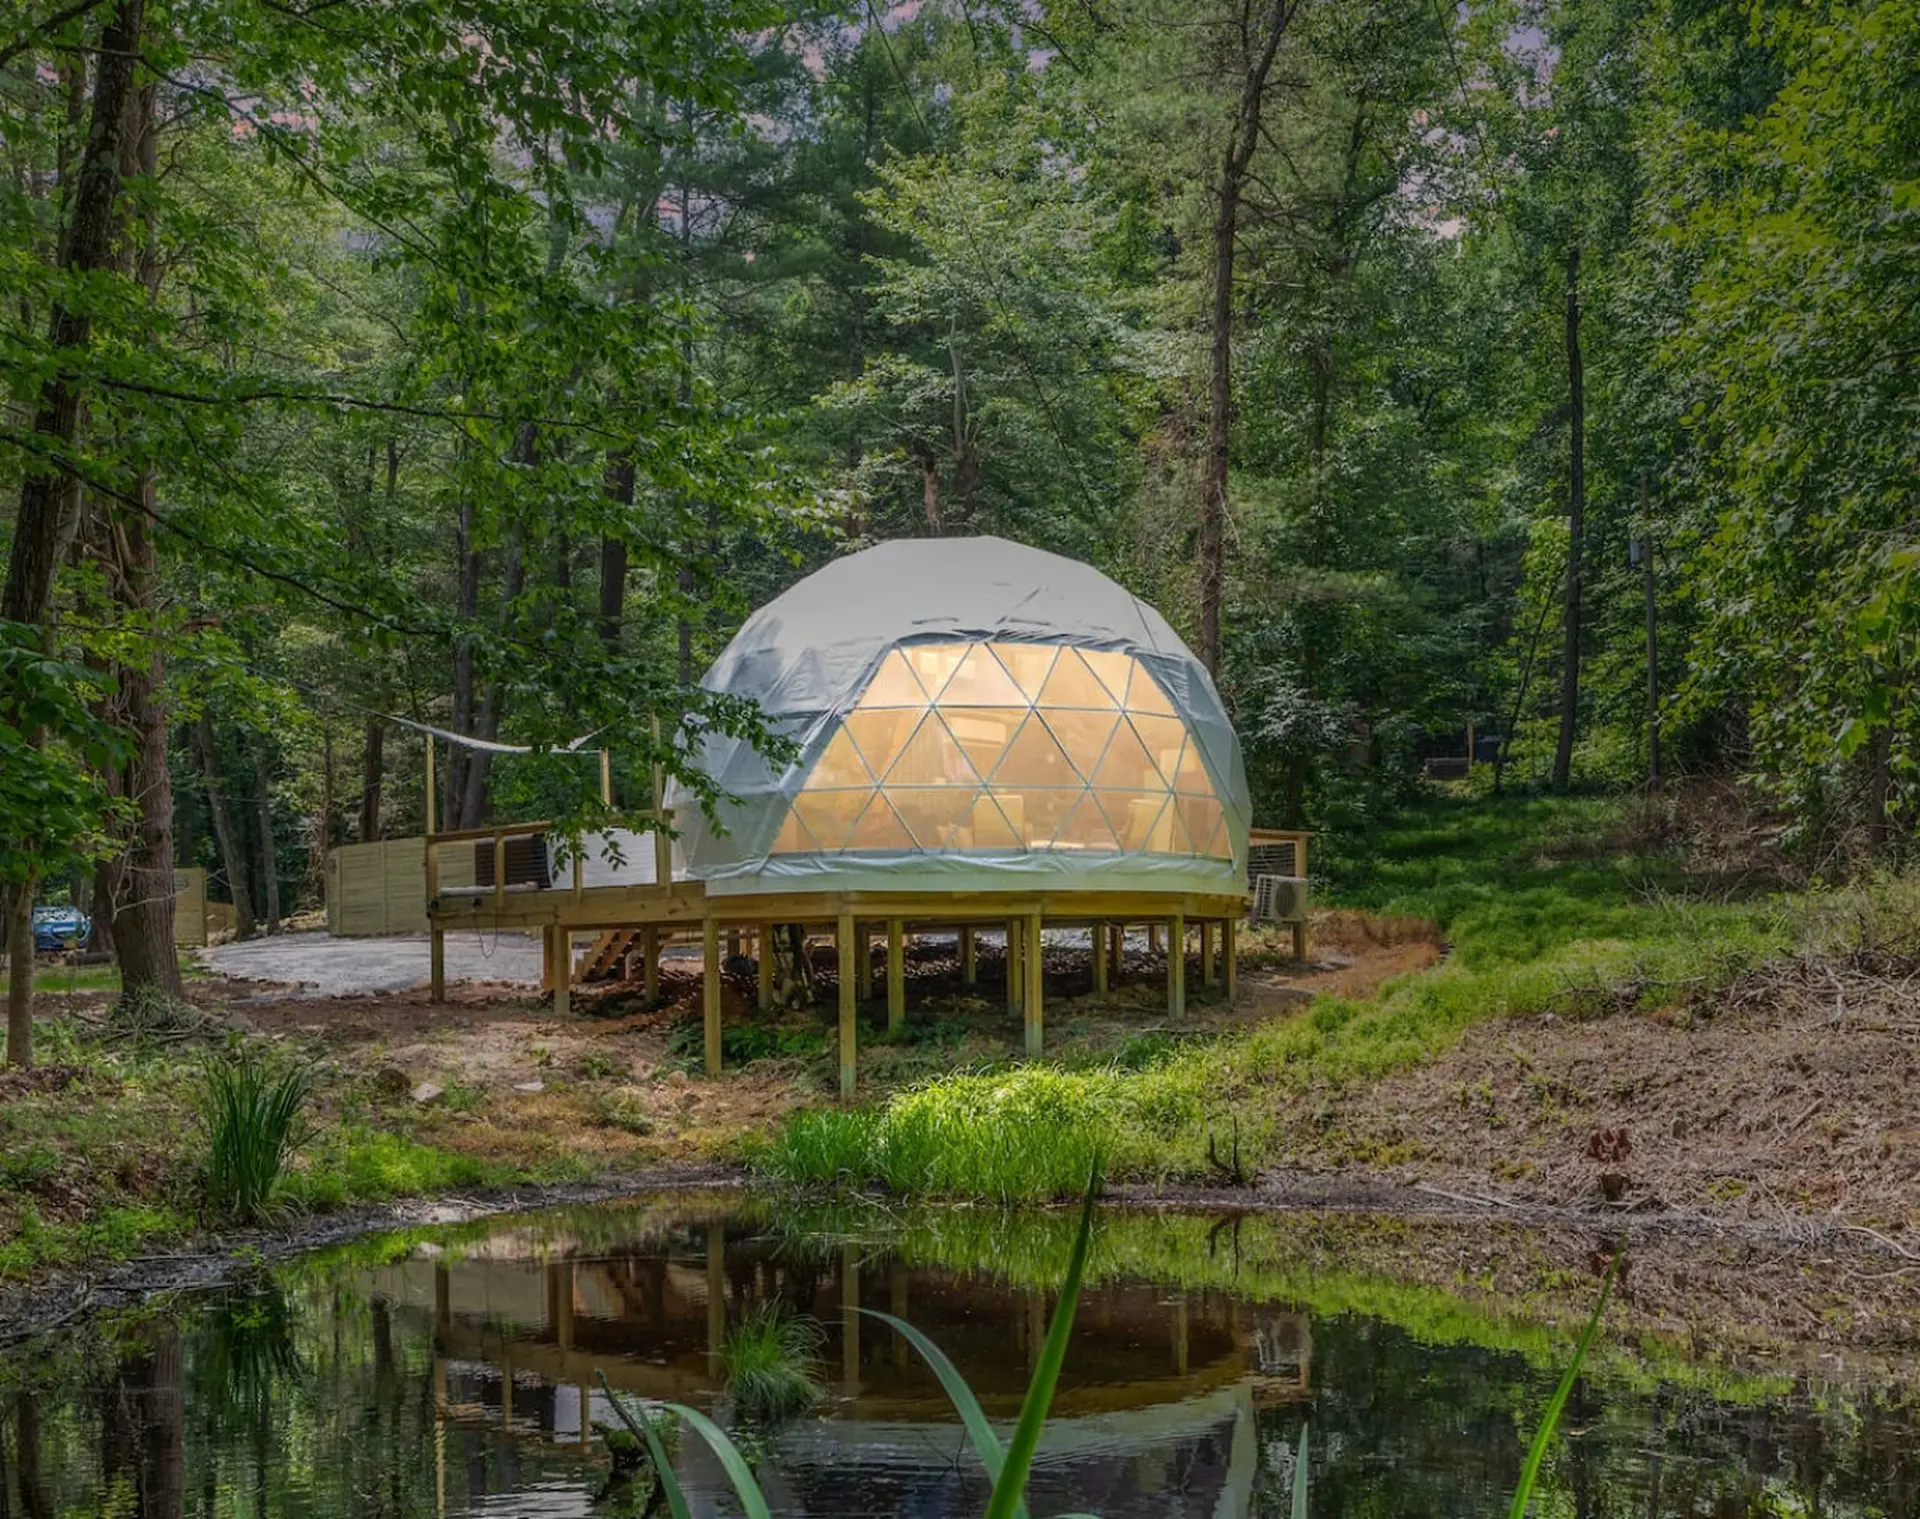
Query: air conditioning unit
<point x="1279" y="899"/>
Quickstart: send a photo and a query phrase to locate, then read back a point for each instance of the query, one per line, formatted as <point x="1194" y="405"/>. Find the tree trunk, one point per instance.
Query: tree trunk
<point x="372" y="758"/>
<point x="930" y="496"/>
<point x="223" y="833"/>
<point x="1241" y="142"/>
<point x="142" y="902"/>
<point x="1880" y="791"/>
<point x="466" y="610"/>
<point x="46" y="494"/>
<point x="1576" y="530"/>
<point x="619" y="483"/>
<point x="20" y="973"/>
<point x="269" y="851"/>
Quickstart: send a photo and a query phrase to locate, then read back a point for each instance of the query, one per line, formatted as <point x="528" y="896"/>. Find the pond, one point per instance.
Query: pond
<point x="456" y="1372"/>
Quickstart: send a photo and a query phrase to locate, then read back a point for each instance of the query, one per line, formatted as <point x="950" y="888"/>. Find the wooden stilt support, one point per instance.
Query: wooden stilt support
<point x="896" y="975"/>
<point x="711" y="997"/>
<point x="1206" y="953"/>
<point x="763" y="956"/>
<point x="1117" y="948"/>
<point x="1177" y="967"/>
<point x="1299" y="941"/>
<point x="1230" y="954"/>
<point x="865" y="932"/>
<point x="560" y="942"/>
<point x="1034" y="1002"/>
<point x="437" y="964"/>
<point x="1097" y="945"/>
<point x="650" y="969"/>
<point x="969" y="962"/>
<point x="1016" y="979"/>
<point x="849" y="1005"/>
<point x="1153" y="938"/>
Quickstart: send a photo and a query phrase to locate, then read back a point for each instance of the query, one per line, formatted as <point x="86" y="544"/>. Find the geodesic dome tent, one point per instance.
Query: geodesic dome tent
<point x="971" y="715"/>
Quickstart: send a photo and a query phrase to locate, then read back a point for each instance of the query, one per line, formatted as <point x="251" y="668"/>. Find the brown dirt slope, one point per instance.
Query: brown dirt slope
<point x="1788" y="1099"/>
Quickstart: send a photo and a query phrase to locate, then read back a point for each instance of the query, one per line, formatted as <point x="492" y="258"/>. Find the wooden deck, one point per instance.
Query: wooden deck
<point x="655" y="914"/>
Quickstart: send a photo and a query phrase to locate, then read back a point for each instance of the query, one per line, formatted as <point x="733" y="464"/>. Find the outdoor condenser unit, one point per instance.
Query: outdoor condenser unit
<point x="1279" y="899"/>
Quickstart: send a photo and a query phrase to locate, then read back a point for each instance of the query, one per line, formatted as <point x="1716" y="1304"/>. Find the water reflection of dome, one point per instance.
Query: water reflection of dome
<point x="1158" y="1404"/>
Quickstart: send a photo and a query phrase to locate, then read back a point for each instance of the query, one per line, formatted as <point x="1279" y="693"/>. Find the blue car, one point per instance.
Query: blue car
<point x="58" y="928"/>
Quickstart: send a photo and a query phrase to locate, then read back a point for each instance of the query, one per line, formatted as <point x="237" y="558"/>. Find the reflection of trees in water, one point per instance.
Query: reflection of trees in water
<point x="1403" y="1430"/>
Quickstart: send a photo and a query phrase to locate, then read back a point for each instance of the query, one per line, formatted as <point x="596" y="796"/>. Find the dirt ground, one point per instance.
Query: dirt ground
<point x="615" y="1084"/>
<point x="1787" y="1100"/>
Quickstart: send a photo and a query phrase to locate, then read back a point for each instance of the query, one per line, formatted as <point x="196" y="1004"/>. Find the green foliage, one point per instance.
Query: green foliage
<point x="357" y="1164"/>
<point x="1537" y="1452"/>
<point x="1541" y="914"/>
<point x="254" y="1121"/>
<point x="769" y="1358"/>
<point x="55" y="810"/>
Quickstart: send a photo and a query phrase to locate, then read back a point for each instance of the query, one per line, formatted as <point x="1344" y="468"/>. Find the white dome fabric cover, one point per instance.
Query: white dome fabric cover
<point x="810" y="655"/>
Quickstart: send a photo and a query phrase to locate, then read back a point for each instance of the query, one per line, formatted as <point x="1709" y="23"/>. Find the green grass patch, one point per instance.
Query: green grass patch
<point x="1543" y="909"/>
<point x="770" y="1358"/>
<point x="358" y="1164"/>
<point x="76" y="978"/>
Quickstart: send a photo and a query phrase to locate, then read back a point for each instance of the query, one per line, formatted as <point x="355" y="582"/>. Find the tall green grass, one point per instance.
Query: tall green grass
<point x="1541" y="913"/>
<point x="254" y="1121"/>
<point x="769" y="1358"/>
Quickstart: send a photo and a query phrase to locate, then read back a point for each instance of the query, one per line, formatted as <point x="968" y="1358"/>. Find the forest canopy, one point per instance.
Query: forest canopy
<point x="1540" y="371"/>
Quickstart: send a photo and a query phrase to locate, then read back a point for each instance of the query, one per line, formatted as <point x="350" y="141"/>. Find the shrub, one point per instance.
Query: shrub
<point x="254" y="1122"/>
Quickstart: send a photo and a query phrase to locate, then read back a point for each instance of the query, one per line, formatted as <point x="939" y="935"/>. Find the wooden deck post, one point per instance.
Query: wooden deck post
<point x="711" y="990"/>
<point x="763" y="955"/>
<point x="1300" y="941"/>
<point x="1177" y="966"/>
<point x="1015" y="977"/>
<point x="1097" y="946"/>
<point x="1230" y="954"/>
<point x="1206" y="952"/>
<point x="1117" y="947"/>
<point x="896" y="976"/>
<point x="1153" y="938"/>
<point x="864" y="932"/>
<point x="849" y="1004"/>
<point x="436" y="935"/>
<point x="650" y="963"/>
<point x="969" y="961"/>
<point x="850" y="1316"/>
<point x="1036" y="977"/>
<point x="560" y="968"/>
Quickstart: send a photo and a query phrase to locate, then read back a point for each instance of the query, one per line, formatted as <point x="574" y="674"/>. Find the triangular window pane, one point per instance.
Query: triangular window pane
<point x="1113" y="670"/>
<point x="982" y="681"/>
<point x="1035" y="758"/>
<point x="793" y="837"/>
<point x="1028" y="663"/>
<point x="1172" y="836"/>
<point x="1201" y="816"/>
<point x="1073" y="684"/>
<point x="1190" y="775"/>
<point x="839" y="765"/>
<point x="934" y="664"/>
<point x="934" y="815"/>
<point x="1136" y="817"/>
<point x="1083" y="735"/>
<point x="1144" y="694"/>
<point x="1220" y="846"/>
<point x="882" y="735"/>
<point x="932" y="758"/>
<point x="1086" y="827"/>
<point x="990" y="828"/>
<point x="984" y="732"/>
<point x="894" y="685"/>
<point x="1039" y="813"/>
<point x="830" y="815"/>
<point x="1163" y="737"/>
<point x="879" y="828"/>
<point x="1127" y="766"/>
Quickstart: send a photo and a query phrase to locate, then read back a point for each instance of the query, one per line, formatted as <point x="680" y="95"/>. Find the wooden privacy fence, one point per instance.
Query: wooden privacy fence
<point x="190" y="905"/>
<point x="381" y="888"/>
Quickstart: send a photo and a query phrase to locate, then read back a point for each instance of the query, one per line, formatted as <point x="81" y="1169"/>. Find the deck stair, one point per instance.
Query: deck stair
<point x="609" y="950"/>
